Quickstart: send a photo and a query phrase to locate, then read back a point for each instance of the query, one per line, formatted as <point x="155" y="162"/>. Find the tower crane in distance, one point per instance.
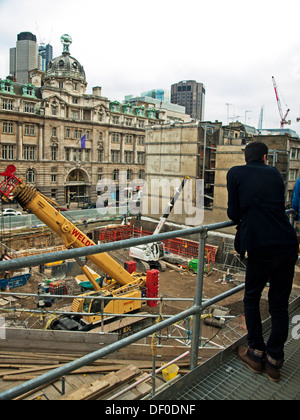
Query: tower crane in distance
<point x="282" y="117"/>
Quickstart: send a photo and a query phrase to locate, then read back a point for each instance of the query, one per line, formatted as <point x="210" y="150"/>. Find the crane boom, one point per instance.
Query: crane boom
<point x="170" y="207"/>
<point x="31" y="200"/>
<point x="282" y="117"/>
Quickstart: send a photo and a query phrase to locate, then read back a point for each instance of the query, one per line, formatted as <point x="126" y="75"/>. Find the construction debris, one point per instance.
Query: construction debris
<point x="102" y="379"/>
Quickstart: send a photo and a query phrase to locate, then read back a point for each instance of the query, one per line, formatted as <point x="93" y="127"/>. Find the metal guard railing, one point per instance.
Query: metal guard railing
<point x="196" y="310"/>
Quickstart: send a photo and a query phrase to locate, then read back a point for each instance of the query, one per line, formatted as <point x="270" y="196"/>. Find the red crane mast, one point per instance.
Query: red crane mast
<point x="283" y="117"/>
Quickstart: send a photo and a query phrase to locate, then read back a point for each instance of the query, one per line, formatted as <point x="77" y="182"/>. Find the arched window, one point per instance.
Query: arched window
<point x="76" y="176"/>
<point x="116" y="175"/>
<point x="129" y="175"/>
<point x="30" y="176"/>
<point x="141" y="174"/>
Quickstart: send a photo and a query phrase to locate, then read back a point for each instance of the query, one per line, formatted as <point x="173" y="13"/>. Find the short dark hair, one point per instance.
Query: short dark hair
<point x="255" y="151"/>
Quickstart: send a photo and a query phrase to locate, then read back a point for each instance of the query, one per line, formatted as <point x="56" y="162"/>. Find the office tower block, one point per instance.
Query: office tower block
<point x="45" y="56"/>
<point x="191" y="95"/>
<point x="24" y="57"/>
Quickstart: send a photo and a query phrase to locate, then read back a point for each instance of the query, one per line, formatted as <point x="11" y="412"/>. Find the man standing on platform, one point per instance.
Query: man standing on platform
<point x="256" y="204"/>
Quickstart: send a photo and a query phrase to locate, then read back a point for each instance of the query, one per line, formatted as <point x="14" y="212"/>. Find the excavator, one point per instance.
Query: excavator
<point x="125" y="285"/>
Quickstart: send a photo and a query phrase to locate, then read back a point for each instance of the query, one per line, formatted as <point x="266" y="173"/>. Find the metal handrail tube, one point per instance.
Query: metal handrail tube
<point x="44" y="295"/>
<point x="111" y="348"/>
<point x="196" y="310"/>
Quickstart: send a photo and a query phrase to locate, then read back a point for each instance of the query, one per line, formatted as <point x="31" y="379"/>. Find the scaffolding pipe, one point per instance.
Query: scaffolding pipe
<point x="197" y="309"/>
<point x="98" y="354"/>
<point x="45" y="295"/>
<point x="198" y="301"/>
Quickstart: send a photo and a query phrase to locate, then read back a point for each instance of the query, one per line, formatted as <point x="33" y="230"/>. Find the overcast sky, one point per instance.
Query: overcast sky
<point x="233" y="47"/>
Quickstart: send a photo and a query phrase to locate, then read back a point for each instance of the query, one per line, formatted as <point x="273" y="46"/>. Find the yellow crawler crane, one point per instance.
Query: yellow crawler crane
<point x="125" y="285"/>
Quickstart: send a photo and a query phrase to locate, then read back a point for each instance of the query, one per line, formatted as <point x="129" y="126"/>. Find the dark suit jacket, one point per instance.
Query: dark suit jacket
<point x="256" y="204"/>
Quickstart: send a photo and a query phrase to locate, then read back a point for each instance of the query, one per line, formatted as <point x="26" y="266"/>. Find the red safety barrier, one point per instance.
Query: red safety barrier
<point x="178" y="246"/>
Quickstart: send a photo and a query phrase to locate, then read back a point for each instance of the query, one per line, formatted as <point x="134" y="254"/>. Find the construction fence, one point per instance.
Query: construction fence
<point x="184" y="248"/>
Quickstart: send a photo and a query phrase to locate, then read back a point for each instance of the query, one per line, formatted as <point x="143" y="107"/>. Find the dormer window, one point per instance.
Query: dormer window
<point x="151" y="113"/>
<point x="140" y="111"/>
<point x="6" y="86"/>
<point x="28" y="90"/>
<point x="115" y="106"/>
<point x="127" y="108"/>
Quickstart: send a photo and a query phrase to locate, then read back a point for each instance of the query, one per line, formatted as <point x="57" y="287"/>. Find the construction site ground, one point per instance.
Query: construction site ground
<point x="87" y="383"/>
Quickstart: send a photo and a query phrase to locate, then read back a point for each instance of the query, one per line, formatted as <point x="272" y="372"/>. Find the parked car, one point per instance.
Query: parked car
<point x="11" y="212"/>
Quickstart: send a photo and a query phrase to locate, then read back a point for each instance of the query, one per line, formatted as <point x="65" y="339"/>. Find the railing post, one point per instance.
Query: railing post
<point x="197" y="330"/>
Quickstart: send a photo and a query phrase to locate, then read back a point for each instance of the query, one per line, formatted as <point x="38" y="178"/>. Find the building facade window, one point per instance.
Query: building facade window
<point x="116" y="175"/>
<point x="141" y="174"/>
<point x="294" y="153"/>
<point x="29" y="130"/>
<point x="7" y="104"/>
<point x="293" y="175"/>
<point x="115" y="156"/>
<point x="29" y="153"/>
<point x="6" y="86"/>
<point x="128" y="139"/>
<point x="30" y="176"/>
<point x="68" y="154"/>
<point x="74" y="114"/>
<point x="128" y="157"/>
<point x="29" y="107"/>
<point x="77" y="155"/>
<point x="129" y="175"/>
<point x="8" y="152"/>
<point x="141" y="140"/>
<point x="100" y="155"/>
<point x="141" y="158"/>
<point x="54" y="151"/>
<point x="115" y="138"/>
<point x="7" y="128"/>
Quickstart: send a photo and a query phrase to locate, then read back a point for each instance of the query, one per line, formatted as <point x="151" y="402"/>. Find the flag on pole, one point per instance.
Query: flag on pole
<point x="83" y="142"/>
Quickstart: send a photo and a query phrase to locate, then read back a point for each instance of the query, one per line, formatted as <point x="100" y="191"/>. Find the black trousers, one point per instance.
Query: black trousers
<point x="275" y="265"/>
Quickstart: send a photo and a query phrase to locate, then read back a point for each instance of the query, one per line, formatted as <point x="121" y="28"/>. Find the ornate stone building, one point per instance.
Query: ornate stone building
<point x="43" y="122"/>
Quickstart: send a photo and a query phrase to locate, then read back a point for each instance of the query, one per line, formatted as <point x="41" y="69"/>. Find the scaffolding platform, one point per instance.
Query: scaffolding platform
<point x="225" y="377"/>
